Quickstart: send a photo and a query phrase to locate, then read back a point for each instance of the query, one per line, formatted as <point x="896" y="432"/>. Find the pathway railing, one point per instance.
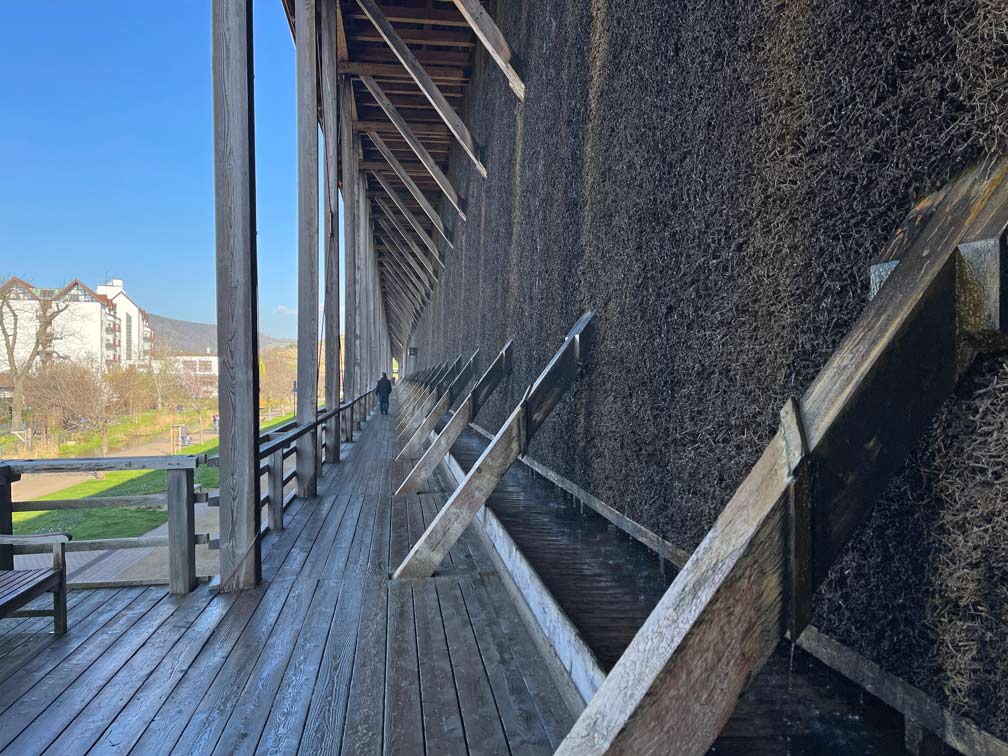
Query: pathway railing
<point x="179" y="499"/>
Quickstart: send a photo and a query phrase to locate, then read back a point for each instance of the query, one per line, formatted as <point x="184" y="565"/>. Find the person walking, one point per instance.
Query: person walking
<point x="383" y="389"/>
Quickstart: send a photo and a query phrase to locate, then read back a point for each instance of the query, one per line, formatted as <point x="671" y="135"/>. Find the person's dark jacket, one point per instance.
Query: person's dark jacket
<point x="384" y="388"/>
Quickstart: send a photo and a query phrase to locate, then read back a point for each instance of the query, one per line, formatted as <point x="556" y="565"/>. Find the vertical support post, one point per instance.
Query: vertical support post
<point x="60" y="594"/>
<point x="276" y="490"/>
<point x="6" y="516"/>
<point x="348" y="164"/>
<point x="237" y="316"/>
<point x="307" y="314"/>
<point x="181" y="532"/>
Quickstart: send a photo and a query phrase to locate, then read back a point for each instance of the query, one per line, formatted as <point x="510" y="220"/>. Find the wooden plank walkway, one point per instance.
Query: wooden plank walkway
<point x="326" y="656"/>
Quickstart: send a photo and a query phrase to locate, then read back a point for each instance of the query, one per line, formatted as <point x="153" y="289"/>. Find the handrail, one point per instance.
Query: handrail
<point x="751" y="580"/>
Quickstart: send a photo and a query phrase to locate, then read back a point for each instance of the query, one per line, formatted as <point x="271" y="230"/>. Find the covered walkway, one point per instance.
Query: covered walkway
<point x="322" y="657"/>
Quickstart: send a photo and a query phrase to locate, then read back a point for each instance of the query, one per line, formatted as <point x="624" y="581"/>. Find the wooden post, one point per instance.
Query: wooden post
<point x="181" y="532"/>
<point x="276" y="490"/>
<point x="307" y="311"/>
<point x="60" y="594"/>
<point x="465" y="414"/>
<point x="348" y="165"/>
<point x="511" y="441"/>
<point x="6" y="516"/>
<point x="237" y="316"/>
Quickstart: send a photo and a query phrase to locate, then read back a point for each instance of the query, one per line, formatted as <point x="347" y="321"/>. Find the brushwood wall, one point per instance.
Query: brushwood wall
<point x="713" y="180"/>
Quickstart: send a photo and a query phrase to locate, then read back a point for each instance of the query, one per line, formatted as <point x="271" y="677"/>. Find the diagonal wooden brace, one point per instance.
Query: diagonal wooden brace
<point x="443" y="404"/>
<point x="423" y="389"/>
<point x="464" y="415"/>
<point x="799" y="582"/>
<point x="536" y="405"/>
<point x="426" y="404"/>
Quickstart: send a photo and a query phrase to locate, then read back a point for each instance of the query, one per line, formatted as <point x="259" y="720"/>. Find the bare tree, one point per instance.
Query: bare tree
<point x="80" y="395"/>
<point x="27" y="325"/>
<point x="165" y="374"/>
<point x="277" y="372"/>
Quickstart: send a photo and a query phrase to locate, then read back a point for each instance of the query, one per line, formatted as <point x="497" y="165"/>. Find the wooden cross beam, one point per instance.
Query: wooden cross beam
<point x="424" y="81"/>
<point x="415" y="144"/>
<point x="410" y="184"/>
<point x="411" y="219"/>
<point x="423" y="407"/>
<point x="727" y="609"/>
<point x="511" y="441"/>
<point x="430" y="378"/>
<point x="406" y="283"/>
<point x="397" y="225"/>
<point x="443" y="404"/>
<point x="488" y="33"/>
<point x="465" y="414"/>
<point x="424" y="276"/>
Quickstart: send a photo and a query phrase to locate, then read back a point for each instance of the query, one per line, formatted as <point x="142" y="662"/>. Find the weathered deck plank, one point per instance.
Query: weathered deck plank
<point x="317" y="659"/>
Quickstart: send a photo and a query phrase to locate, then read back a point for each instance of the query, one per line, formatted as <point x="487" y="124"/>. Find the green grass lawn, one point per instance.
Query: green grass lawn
<point x="116" y="522"/>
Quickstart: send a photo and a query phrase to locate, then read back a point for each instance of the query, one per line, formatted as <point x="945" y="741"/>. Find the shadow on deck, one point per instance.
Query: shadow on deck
<point x="326" y="656"/>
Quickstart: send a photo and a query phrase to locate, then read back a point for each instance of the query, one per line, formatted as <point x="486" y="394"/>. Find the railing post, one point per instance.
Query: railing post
<point x="6" y="516"/>
<point x="319" y="449"/>
<point x="181" y="532"/>
<point x="276" y="490"/>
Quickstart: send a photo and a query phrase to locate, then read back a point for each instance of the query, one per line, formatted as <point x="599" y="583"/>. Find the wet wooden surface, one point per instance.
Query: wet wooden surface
<point x="323" y="657"/>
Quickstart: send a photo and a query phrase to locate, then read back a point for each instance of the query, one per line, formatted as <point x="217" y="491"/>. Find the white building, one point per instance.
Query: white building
<point x="137" y="338"/>
<point x="74" y="323"/>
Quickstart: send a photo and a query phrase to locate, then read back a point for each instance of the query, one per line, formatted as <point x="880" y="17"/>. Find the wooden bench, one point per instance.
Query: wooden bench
<point x="18" y="587"/>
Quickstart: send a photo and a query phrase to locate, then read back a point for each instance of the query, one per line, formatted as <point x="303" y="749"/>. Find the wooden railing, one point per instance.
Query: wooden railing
<point x="277" y="446"/>
<point x="750" y="582"/>
<point x="179" y="500"/>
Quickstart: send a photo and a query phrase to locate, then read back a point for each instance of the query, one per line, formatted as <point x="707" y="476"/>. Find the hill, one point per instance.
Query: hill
<point x="196" y="338"/>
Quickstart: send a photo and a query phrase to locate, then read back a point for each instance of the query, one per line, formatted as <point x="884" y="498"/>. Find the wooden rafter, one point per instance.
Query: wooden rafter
<point x="417" y="252"/>
<point x="493" y="40"/>
<point x="410" y="218"/>
<point x="409" y="183"/>
<point x="415" y="144"/>
<point x="424" y="81"/>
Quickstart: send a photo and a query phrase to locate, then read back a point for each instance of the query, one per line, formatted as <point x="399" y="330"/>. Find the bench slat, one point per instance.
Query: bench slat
<point x="29" y="584"/>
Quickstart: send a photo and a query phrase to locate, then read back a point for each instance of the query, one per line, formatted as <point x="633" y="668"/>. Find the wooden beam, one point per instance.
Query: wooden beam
<point x="441" y="386"/>
<point x="444" y="402"/>
<point x="181" y="531"/>
<point x="499" y="369"/>
<point x="410" y="218"/>
<point x="493" y="40"/>
<point x="424" y="81"/>
<point x="726" y="611"/>
<point x="407" y="15"/>
<point x="237" y="316"/>
<point x="329" y="50"/>
<point x="417" y="252"/>
<point x="511" y="440"/>
<point x="307" y="310"/>
<point x="410" y="184"/>
<point x="351" y="211"/>
<point x="428" y="131"/>
<point x="418" y="409"/>
<point x="424" y="278"/>
<point x="420" y="37"/>
<point x="411" y="139"/>
<point x="444" y="74"/>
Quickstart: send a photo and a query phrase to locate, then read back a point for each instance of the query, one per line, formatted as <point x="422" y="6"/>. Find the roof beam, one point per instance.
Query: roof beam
<point x="424" y="81"/>
<point x="410" y="184"/>
<point x="402" y="15"/>
<point x="445" y="74"/>
<point x="426" y="276"/>
<point x="424" y="236"/>
<point x="424" y="130"/>
<point x="493" y="40"/>
<point x="411" y="139"/>
<point x="405" y="235"/>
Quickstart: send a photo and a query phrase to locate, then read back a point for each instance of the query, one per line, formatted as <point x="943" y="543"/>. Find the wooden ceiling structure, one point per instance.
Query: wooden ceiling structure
<point x="405" y="68"/>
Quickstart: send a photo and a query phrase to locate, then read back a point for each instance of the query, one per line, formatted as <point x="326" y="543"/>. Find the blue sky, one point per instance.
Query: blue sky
<point x="106" y="146"/>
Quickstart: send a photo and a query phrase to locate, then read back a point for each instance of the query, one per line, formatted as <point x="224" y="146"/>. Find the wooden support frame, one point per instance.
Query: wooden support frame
<point x="511" y="441"/>
<point x="446" y="392"/>
<point x="181" y="532"/>
<point x="425" y="276"/>
<point x="237" y="316"/>
<point x="394" y="221"/>
<point x="424" y="383"/>
<point x="499" y="369"/>
<point x="415" y="144"/>
<point x="410" y="184"/>
<point x="726" y="611"/>
<point x="429" y="398"/>
<point x="424" y="236"/>
<point x="486" y="30"/>
<point x="425" y="82"/>
<point x="307" y="312"/>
